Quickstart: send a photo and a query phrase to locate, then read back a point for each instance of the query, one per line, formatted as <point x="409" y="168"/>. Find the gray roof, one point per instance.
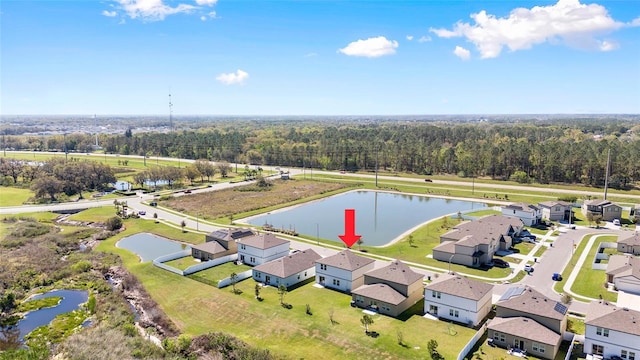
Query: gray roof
<point x="525" y="328"/>
<point x="550" y="204"/>
<point x="623" y="265"/>
<point x="605" y="315"/>
<point x="460" y="286"/>
<point x="482" y="230"/>
<point x="632" y="240"/>
<point x="597" y="202"/>
<point x="396" y="272"/>
<point x="230" y="234"/>
<point x="447" y="247"/>
<point x="380" y="292"/>
<point x="346" y="260"/>
<point x="290" y="265"/>
<point x="522" y="207"/>
<point x="263" y="241"/>
<point x="211" y="247"/>
<point x="529" y="301"/>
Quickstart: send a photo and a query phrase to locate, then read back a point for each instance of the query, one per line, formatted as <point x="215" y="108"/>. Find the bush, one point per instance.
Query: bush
<point x="114" y="223"/>
<point x="81" y="266"/>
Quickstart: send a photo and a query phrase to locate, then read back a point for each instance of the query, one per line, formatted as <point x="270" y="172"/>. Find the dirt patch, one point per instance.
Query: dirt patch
<point x="216" y="204"/>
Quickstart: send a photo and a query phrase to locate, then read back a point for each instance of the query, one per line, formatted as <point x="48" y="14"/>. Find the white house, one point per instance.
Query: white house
<point x="623" y="271"/>
<point x="612" y="331"/>
<point x="289" y="270"/>
<point x="262" y="248"/>
<point x="458" y="298"/>
<point x="343" y="271"/>
<point x="122" y="185"/>
<point x="529" y="214"/>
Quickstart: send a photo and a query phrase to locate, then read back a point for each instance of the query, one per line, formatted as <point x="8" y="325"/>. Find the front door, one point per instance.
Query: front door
<point x="433" y="310"/>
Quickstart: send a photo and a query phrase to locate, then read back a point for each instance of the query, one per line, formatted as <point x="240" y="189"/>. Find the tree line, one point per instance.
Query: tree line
<point x="567" y="151"/>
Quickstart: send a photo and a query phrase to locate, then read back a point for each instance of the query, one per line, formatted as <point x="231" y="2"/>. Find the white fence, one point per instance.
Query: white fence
<point x="241" y="276"/>
<point x="160" y="260"/>
<point x="211" y="263"/>
<point x="573" y="336"/>
<point x="602" y="256"/>
<point x="472" y="342"/>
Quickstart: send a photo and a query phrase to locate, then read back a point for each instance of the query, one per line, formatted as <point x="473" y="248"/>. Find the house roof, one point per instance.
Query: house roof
<point x="211" y="247"/>
<point x="522" y="207"/>
<point x="380" y="292"/>
<point x="483" y="230"/>
<point x="263" y="241"/>
<point x="550" y="204"/>
<point x="529" y="301"/>
<point x="346" y="260"/>
<point x="460" y="286"/>
<point x="623" y="265"/>
<point x="597" y="202"/>
<point x="525" y="328"/>
<point x="447" y="247"/>
<point x="603" y="314"/>
<point x="230" y="234"/>
<point x="632" y="240"/>
<point x="396" y="272"/>
<point x="290" y="265"/>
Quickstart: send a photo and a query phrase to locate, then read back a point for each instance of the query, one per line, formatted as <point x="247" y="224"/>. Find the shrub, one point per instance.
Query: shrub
<point x="114" y="223"/>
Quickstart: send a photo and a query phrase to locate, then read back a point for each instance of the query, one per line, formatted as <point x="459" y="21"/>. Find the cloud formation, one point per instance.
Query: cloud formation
<point x="424" y="39"/>
<point x="206" y="2"/>
<point x="371" y="47"/>
<point x="239" y="77"/>
<point x="152" y="10"/>
<point x="409" y="37"/>
<point x="570" y="21"/>
<point x="109" y="13"/>
<point x="462" y="53"/>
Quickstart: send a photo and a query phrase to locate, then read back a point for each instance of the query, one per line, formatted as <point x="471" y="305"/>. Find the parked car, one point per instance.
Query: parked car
<point x="153" y="203"/>
<point x="142" y="212"/>
<point x="500" y="263"/>
<point x="187" y="191"/>
<point x="428" y="180"/>
<point x="616" y="222"/>
<point x="556" y="277"/>
<point x="528" y="268"/>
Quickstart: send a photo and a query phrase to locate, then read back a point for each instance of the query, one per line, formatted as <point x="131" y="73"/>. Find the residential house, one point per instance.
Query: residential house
<point x="289" y="270"/>
<point x="458" y="298"/>
<point x="604" y="208"/>
<point x="612" y="331"/>
<point x="122" y="185"/>
<point x="529" y="214"/>
<point x="555" y="210"/>
<point x="343" y="271"/>
<point x="629" y="244"/>
<point x="262" y="248"/>
<point x="528" y="320"/>
<point x="474" y="243"/>
<point x="219" y="243"/>
<point x="389" y="290"/>
<point x="623" y="271"/>
<point x="635" y="210"/>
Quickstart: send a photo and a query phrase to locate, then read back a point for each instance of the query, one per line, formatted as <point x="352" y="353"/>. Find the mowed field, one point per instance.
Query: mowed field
<point x="244" y="200"/>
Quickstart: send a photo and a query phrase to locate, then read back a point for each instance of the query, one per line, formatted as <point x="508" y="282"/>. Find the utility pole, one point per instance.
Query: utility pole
<point x="66" y="153"/>
<point x="170" y="114"/>
<point x="606" y="178"/>
<point x="377" y="148"/>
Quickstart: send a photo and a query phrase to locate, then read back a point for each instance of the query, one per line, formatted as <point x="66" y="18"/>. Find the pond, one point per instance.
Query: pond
<point x="380" y="216"/>
<point x="13" y="336"/>
<point x="149" y="246"/>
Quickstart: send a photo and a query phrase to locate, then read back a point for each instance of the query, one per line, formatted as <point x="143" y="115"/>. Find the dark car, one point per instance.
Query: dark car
<point x="556" y="277"/>
<point x="500" y="263"/>
<point x="187" y="191"/>
<point x="428" y="180"/>
<point x="153" y="203"/>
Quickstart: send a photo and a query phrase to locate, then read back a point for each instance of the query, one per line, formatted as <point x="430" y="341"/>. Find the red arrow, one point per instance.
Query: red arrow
<point x="349" y="237"/>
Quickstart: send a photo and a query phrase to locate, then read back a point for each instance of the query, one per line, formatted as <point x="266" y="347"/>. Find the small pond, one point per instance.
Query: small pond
<point x="71" y="300"/>
<point x="149" y="246"/>
<point x="380" y="216"/>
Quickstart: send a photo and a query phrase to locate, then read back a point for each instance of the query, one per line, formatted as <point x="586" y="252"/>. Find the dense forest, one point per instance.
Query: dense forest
<point x="549" y="151"/>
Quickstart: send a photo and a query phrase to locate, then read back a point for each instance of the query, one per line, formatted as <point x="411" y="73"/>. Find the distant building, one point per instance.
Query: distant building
<point x="343" y="271"/>
<point x="529" y="214"/>
<point x="122" y="185"/>
<point x="604" y="208"/>
<point x="288" y="270"/>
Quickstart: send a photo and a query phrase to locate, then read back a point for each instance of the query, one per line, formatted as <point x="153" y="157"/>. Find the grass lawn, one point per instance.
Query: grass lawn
<point x="197" y="308"/>
<point x="99" y="214"/>
<point x="524" y="247"/>
<point x="183" y="262"/>
<point x="484" y="352"/>
<point x="13" y="196"/>
<point x="213" y="275"/>
<point x="540" y="251"/>
<point x="481" y="213"/>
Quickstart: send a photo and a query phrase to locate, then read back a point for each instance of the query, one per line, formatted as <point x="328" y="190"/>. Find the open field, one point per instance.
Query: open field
<point x="198" y="308"/>
<point x="13" y="196"/>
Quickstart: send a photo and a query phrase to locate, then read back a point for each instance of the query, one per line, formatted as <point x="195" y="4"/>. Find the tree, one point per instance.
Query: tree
<point x="257" y="289"/>
<point x="282" y="291"/>
<point x="360" y="242"/>
<point x="366" y="321"/>
<point x="234" y="280"/>
<point x="411" y="240"/>
<point x="432" y="346"/>
<point x="113" y="223"/>
<point x="331" y="313"/>
<point x="47" y="185"/>
<point x="598" y="220"/>
<point x="191" y="172"/>
<point x="155" y="217"/>
<point x="224" y="168"/>
<point x="400" y="337"/>
<point x="183" y="224"/>
<point x="566" y="299"/>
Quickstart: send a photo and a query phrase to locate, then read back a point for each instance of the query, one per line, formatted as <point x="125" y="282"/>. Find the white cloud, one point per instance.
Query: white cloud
<point x="608" y="45"/>
<point x="424" y="39"/>
<point x="203" y="18"/>
<point x="372" y="47"/>
<point x="109" y="13"/>
<point x="152" y="10"/>
<point x="312" y="54"/>
<point x="570" y="21"/>
<point x="462" y="53"/>
<point x="206" y="2"/>
<point x="239" y="77"/>
<point x="409" y="37"/>
<point x="635" y="22"/>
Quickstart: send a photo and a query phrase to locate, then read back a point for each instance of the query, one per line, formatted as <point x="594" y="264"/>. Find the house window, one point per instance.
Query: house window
<point x="538" y="347"/>
<point x="496" y="336"/>
<point x="597" y="349"/>
<point x="252" y="259"/>
<point x="323" y="267"/>
<point x="243" y="247"/>
<point x="258" y="275"/>
<point x="298" y="276"/>
<point x="502" y="337"/>
<point x="623" y="354"/>
<point x="305" y="274"/>
<point x="599" y="331"/>
<point x="632" y="355"/>
<point x="454" y="313"/>
<point x="605" y="332"/>
<point x="436" y="294"/>
<point x="336" y="282"/>
<point x="321" y="279"/>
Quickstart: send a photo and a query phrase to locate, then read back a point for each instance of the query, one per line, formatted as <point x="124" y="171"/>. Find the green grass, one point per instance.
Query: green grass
<point x="213" y="275"/>
<point x="576" y="325"/>
<point x="484" y="352"/>
<point x="288" y="332"/>
<point x="13" y="196"/>
<point x="60" y="328"/>
<point x="31" y="305"/>
<point x="540" y="251"/>
<point x="524" y="247"/>
<point x="182" y="263"/>
<point x="481" y="213"/>
<point x="98" y="214"/>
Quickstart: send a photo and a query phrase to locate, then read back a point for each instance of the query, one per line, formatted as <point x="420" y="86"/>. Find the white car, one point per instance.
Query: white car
<point x="528" y="268"/>
<point x="616" y="222"/>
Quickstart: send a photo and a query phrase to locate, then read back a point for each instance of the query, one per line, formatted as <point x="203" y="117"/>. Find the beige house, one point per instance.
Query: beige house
<point x="555" y="210"/>
<point x="528" y="320"/>
<point x="629" y="244"/>
<point x="604" y="208"/>
<point x="219" y="243"/>
<point x="474" y="243"/>
<point x="389" y="290"/>
<point x="623" y="271"/>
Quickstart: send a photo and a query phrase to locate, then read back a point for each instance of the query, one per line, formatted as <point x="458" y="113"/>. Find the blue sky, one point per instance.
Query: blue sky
<point x="262" y="57"/>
